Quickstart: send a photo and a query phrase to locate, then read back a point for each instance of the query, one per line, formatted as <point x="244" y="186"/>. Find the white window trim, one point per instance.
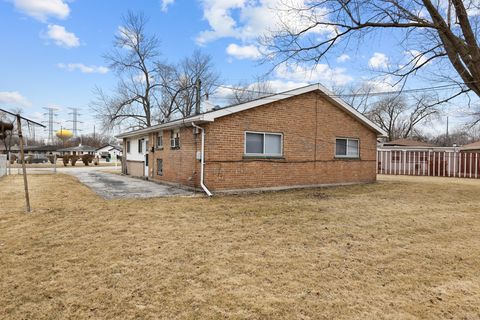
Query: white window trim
<point x="129" y="146"/>
<point x="347" y="156"/>
<point x="262" y="154"/>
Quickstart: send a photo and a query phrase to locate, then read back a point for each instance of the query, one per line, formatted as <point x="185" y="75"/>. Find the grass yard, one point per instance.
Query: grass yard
<point x="403" y="248"/>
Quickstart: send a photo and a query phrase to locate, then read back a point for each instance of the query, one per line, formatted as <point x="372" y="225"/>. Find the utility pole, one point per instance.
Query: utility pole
<point x="51" y="113"/>
<point x="74" y="120"/>
<point x="198" y="85"/>
<point x="22" y="160"/>
<point x="5" y="127"/>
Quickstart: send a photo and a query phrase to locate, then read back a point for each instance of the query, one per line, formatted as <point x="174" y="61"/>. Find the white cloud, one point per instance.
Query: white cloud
<point x="342" y="58"/>
<point x="14" y="98"/>
<point x="247" y="20"/>
<point x="383" y="84"/>
<point x="166" y="4"/>
<point x="416" y="58"/>
<point x="82" y="68"/>
<point x="243" y="52"/>
<point x="320" y="73"/>
<point x="378" y="61"/>
<point x="62" y="37"/>
<point x="43" y="9"/>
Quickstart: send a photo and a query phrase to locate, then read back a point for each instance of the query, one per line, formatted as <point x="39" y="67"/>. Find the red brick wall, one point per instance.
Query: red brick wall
<point x="309" y="124"/>
<point x="179" y="165"/>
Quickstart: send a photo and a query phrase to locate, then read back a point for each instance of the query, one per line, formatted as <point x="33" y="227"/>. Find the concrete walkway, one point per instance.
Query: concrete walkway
<point x="111" y="185"/>
<point x="114" y="186"/>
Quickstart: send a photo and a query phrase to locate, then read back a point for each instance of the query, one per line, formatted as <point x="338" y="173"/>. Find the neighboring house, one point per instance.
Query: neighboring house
<point x="303" y="137"/>
<point x="407" y="143"/>
<point x="78" y="150"/>
<point x="472" y="147"/>
<point x="109" y="151"/>
<point x="42" y="150"/>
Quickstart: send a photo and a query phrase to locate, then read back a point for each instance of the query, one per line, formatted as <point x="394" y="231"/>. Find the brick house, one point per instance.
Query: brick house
<point x="303" y="137"/>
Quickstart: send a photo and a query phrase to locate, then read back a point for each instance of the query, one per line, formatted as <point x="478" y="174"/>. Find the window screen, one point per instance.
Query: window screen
<point x="273" y="144"/>
<point x="352" y="148"/>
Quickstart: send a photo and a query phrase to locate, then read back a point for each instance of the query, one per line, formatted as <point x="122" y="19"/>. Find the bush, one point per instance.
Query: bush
<point x="65" y="159"/>
<point x="74" y="159"/>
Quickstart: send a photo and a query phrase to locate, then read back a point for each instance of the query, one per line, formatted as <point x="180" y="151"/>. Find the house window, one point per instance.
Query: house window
<point x="128" y="146"/>
<point x="160" y="140"/>
<point x="347" y="148"/>
<point x="175" y="139"/>
<point x="159" y="167"/>
<point x="140" y="145"/>
<point x="263" y="144"/>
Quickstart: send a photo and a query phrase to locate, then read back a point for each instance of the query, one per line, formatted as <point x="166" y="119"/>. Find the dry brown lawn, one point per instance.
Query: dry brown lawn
<point x="403" y="248"/>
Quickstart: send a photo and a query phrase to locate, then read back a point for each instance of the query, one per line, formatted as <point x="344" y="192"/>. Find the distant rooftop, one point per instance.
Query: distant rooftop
<point x="80" y="148"/>
<point x="472" y="146"/>
<point x="407" y="143"/>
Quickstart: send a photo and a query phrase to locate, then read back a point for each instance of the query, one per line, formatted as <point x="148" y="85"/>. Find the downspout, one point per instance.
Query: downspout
<point x="202" y="161"/>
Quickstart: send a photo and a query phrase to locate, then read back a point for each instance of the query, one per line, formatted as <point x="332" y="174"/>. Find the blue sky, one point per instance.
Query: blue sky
<point x="52" y="49"/>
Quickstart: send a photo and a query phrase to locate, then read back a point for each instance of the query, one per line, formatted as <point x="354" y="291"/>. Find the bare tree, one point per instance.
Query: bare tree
<point x="359" y="97"/>
<point x="197" y="66"/>
<point x="133" y="59"/>
<point x="432" y="31"/>
<point x="241" y="93"/>
<point x="148" y="90"/>
<point x="399" y="118"/>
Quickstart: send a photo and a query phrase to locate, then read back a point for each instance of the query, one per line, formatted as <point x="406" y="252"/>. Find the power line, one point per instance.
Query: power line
<point x="378" y="93"/>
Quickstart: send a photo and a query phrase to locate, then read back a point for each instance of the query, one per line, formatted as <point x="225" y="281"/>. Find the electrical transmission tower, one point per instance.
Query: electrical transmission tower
<point x="51" y="114"/>
<point x="75" y="121"/>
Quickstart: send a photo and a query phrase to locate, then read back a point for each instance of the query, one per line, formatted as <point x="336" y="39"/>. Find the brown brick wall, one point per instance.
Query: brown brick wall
<point x="179" y="165"/>
<point x="309" y="124"/>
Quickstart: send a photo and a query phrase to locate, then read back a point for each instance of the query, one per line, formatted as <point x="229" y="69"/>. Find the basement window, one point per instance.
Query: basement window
<point x="263" y="144"/>
<point x="347" y="148"/>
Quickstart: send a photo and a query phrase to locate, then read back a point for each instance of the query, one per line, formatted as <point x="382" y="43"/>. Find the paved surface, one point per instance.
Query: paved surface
<point x="115" y="186"/>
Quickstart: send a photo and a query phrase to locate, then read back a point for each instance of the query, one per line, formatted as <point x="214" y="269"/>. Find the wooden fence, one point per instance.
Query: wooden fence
<point x="429" y="163"/>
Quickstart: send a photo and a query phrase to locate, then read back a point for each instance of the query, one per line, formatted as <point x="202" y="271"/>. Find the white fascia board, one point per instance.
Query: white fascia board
<point x="163" y="126"/>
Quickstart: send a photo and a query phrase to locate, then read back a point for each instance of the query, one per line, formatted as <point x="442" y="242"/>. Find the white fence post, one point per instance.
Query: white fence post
<point x="3" y="165"/>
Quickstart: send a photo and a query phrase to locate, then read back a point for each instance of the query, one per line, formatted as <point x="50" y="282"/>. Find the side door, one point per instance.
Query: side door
<point x="146" y="158"/>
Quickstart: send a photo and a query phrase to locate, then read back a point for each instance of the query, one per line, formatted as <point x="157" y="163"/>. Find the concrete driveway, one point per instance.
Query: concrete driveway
<point x="114" y="186"/>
